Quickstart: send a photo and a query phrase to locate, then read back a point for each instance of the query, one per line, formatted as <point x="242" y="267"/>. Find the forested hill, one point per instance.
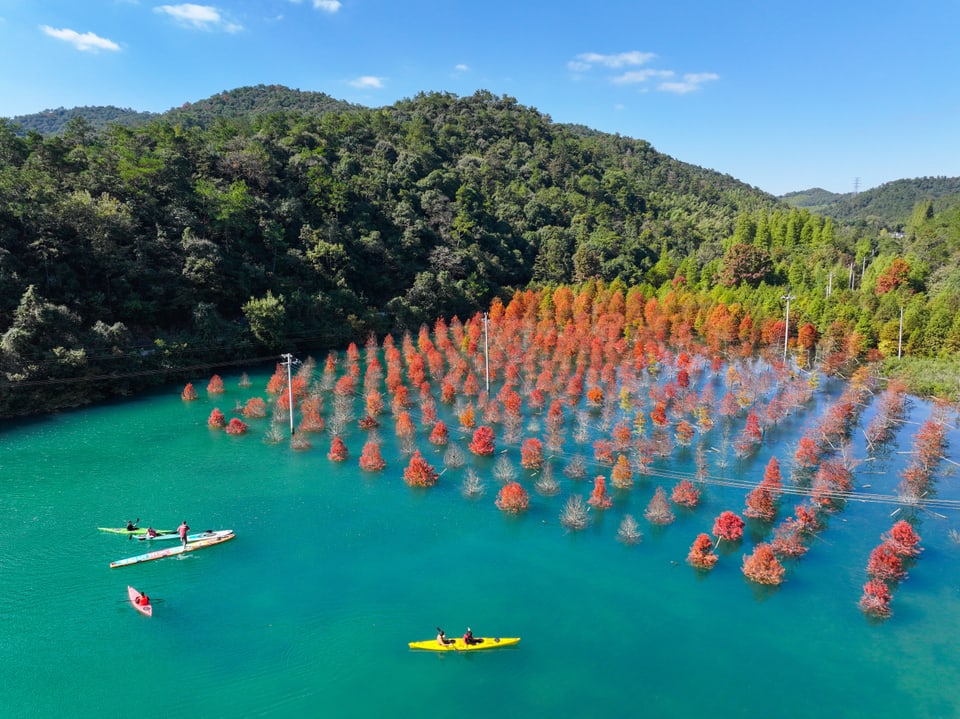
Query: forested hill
<point x="250" y="102"/>
<point x="52" y="122"/>
<point x="241" y="102"/>
<point x="889" y="206"/>
<point x="282" y="229"/>
<point x="140" y="253"/>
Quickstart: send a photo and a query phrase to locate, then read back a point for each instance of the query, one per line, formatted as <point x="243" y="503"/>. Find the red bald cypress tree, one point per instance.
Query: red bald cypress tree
<point x="701" y="553"/>
<point x="763" y="566"/>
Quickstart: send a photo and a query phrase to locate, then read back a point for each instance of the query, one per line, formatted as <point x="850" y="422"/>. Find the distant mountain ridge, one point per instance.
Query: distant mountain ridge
<point x="53" y="121"/>
<point x="242" y="101"/>
<point x="888" y="206"/>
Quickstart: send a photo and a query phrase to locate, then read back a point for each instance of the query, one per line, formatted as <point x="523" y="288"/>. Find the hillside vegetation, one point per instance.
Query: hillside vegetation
<point x="99" y="117"/>
<point x="888" y="206"/>
<point x="136" y="253"/>
<point x="241" y="102"/>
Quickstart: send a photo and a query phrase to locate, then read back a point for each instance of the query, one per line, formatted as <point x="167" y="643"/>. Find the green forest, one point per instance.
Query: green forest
<point x="256" y="223"/>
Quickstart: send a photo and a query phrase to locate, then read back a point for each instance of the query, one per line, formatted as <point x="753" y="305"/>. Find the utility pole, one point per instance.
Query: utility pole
<point x="786" y="327"/>
<point x="486" y="349"/>
<point x="289" y="361"/>
<point x="830" y="284"/>
<point x="900" y="334"/>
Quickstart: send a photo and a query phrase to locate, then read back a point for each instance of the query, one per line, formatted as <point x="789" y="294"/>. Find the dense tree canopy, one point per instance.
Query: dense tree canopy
<point x="220" y="237"/>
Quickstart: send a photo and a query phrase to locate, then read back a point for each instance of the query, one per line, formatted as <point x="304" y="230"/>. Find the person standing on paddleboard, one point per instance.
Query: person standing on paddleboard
<point x="183" y="529"/>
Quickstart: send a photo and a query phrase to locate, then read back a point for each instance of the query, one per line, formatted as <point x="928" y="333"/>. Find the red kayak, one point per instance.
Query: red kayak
<point x="145" y="609"/>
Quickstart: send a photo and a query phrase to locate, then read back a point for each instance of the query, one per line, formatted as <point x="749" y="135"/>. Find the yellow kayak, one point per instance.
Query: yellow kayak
<point x="458" y="645"/>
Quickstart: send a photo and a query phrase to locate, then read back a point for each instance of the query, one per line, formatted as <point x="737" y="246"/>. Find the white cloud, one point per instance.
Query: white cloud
<point x="460" y="67"/>
<point x="367" y="82"/>
<point x="87" y="42"/>
<point x="691" y="82"/>
<point x="202" y="17"/>
<point x="586" y="60"/>
<point x="330" y="6"/>
<point x="640" y="76"/>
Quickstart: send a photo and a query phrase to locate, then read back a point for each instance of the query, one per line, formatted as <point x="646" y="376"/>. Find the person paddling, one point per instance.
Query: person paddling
<point x="469" y="639"/>
<point x="131" y="525"/>
<point x="143" y="600"/>
<point x="183" y="529"/>
<point x="442" y="638"/>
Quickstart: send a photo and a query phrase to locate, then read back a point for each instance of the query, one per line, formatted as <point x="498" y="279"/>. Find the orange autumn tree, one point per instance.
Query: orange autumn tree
<point x="512" y="498"/>
<point x="216" y="420"/>
<point x="701" y="553"/>
<point x="885" y="564"/>
<point x="621" y="476"/>
<point x="482" y="443"/>
<point x="338" y="450"/>
<point x="439" y="435"/>
<point x="903" y="539"/>
<point x="215" y="386"/>
<point x="277" y="381"/>
<point x="603" y="451"/>
<point x="297" y="387"/>
<point x="599" y="498"/>
<point x="374" y="402"/>
<point x="367" y="422"/>
<point x="255" y="408"/>
<point x="447" y="393"/>
<point x="236" y="426"/>
<point x="760" y="504"/>
<point x="531" y="453"/>
<point x="405" y="427"/>
<point x="728" y="526"/>
<point x="370" y="458"/>
<point x="808" y="453"/>
<point x="419" y="472"/>
<point x="555" y="414"/>
<point x="685" y="494"/>
<point x="310" y="419"/>
<point x="468" y="418"/>
<point x="189" y="393"/>
<point x="659" y="414"/>
<point x="788" y="539"/>
<point x="762" y="566"/>
<point x="876" y="599"/>
<point x="595" y="397"/>
<point x="684" y="433"/>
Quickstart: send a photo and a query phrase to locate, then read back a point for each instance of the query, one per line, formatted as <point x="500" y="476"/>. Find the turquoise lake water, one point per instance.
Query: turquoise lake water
<point x="309" y="610"/>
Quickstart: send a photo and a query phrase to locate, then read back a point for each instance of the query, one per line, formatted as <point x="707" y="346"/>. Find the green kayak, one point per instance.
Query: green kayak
<point x="138" y="530"/>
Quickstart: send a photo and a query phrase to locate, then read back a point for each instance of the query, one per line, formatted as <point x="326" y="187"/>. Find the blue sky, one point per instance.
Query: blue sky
<point x="782" y="95"/>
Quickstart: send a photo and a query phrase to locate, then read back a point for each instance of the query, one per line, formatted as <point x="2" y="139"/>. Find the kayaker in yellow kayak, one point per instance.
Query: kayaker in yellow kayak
<point x="442" y="638"/>
<point x="468" y="638"/>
